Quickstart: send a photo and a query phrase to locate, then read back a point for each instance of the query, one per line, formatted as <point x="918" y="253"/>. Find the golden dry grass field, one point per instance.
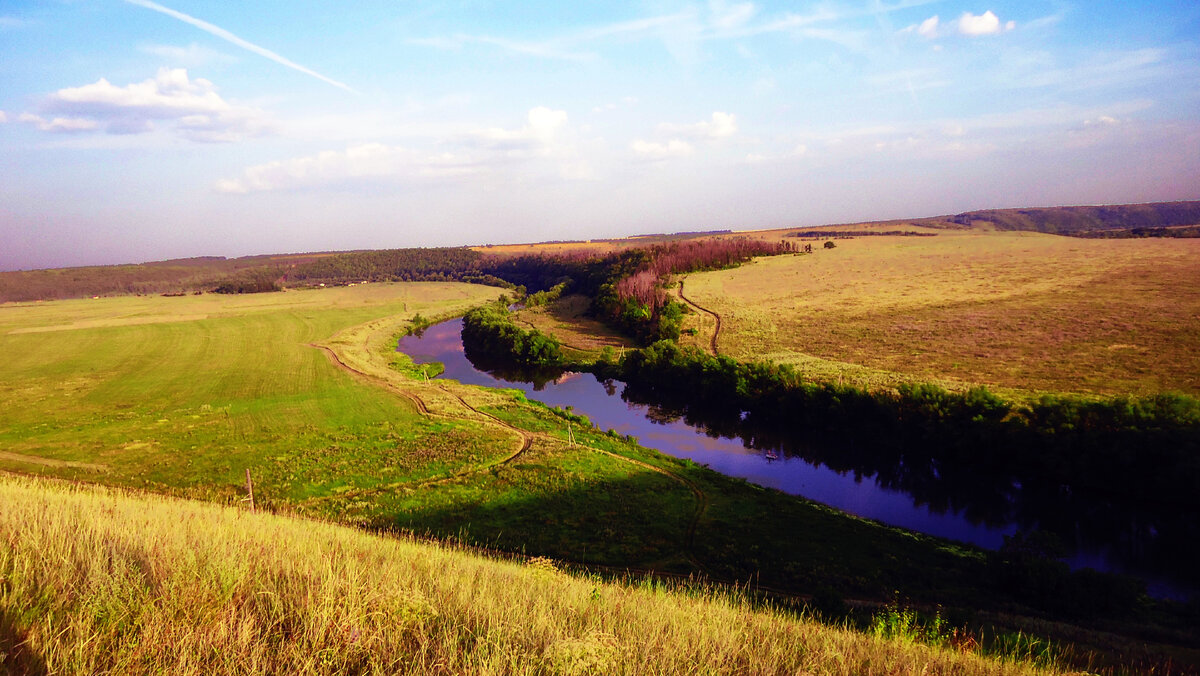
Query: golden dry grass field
<point x="102" y="582"/>
<point x="1013" y="310"/>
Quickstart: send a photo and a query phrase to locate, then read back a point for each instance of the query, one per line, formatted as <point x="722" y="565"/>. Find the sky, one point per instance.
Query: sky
<point x="133" y="131"/>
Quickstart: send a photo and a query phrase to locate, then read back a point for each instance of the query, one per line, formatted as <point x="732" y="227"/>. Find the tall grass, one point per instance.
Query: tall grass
<point x="97" y="581"/>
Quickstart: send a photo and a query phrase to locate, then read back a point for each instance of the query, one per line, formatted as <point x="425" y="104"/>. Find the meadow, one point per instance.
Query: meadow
<point x="100" y="581"/>
<point x="182" y="395"/>
<point x="1020" y="312"/>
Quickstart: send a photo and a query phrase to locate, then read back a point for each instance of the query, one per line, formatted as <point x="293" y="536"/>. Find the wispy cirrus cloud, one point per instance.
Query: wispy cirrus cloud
<point x="721" y="125"/>
<point x="563" y="47"/>
<point x="58" y="124"/>
<point x="192" y="107"/>
<point x="244" y="44"/>
<point x="661" y="150"/>
<point x="189" y="56"/>
<point x="544" y="142"/>
<point x="720" y="20"/>
<point x="355" y="164"/>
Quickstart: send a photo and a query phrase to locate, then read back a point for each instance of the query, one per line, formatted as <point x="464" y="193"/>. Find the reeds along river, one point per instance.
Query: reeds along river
<point x="979" y="508"/>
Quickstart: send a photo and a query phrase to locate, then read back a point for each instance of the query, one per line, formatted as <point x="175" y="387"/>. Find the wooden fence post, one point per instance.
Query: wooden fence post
<point x="249" y="490"/>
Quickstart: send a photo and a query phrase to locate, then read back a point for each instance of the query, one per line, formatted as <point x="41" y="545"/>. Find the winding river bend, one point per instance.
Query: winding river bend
<point x="1106" y="537"/>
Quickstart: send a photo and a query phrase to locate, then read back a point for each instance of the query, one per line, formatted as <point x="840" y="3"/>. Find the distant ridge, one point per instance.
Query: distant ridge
<point x="207" y="273"/>
<point x="1077" y="220"/>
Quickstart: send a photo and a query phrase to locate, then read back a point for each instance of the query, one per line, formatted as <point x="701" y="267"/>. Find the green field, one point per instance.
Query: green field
<point x="185" y="394"/>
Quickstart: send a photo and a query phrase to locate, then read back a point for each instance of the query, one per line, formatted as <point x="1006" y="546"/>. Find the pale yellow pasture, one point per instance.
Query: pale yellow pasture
<point x="1012" y="310"/>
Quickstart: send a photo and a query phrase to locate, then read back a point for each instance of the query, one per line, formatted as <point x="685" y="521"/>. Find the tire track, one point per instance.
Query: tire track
<point x="717" y="330"/>
<point x="423" y="409"/>
<point x="527" y="439"/>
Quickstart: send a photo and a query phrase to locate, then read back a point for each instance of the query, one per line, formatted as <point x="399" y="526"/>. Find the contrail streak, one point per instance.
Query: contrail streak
<point x="230" y="37"/>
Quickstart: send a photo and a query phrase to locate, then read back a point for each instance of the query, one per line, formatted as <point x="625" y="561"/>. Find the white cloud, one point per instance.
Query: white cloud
<point x="967" y="24"/>
<point x="984" y="24"/>
<point x="369" y="161"/>
<point x="193" y="106"/>
<point x="3" y="117"/>
<point x="927" y="28"/>
<point x="542" y="129"/>
<point x="58" y="124"/>
<point x="721" y="125"/>
<point x="661" y="151"/>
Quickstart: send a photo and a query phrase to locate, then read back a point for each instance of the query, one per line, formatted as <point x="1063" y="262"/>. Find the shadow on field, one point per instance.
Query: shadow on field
<point x="640" y="521"/>
<point x="16" y="656"/>
<point x="648" y="521"/>
<point x="743" y="534"/>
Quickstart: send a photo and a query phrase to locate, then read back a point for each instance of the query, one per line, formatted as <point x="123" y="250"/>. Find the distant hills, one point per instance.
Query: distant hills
<point x="214" y="273"/>
<point x="1079" y="220"/>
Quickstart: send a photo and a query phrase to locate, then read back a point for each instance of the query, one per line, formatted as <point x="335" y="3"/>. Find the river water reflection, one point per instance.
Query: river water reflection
<point x="982" y="516"/>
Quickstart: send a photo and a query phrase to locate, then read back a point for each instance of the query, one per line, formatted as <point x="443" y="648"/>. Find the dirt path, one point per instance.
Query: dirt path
<point x="526" y="439"/>
<point x="50" y="462"/>
<point x="717" y="330"/>
<point x="526" y="442"/>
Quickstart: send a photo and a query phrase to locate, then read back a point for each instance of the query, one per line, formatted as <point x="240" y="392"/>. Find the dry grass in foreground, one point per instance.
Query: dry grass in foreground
<point x="96" y="581"/>
<point x="1012" y="310"/>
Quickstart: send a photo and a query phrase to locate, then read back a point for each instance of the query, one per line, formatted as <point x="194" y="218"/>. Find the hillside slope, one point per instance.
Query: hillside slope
<point x="1077" y="220"/>
<point x="98" y="581"/>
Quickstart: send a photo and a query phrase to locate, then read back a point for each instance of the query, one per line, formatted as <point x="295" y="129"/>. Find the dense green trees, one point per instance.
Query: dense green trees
<point x="1137" y="448"/>
<point x="490" y="329"/>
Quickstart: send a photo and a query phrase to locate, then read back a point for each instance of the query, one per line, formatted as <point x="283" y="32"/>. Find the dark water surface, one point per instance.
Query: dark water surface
<point x="1111" y="539"/>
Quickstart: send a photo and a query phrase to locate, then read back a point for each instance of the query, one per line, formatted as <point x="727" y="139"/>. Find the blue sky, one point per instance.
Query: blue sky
<point x="132" y="130"/>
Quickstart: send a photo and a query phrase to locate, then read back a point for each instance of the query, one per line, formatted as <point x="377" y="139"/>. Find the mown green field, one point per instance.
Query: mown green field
<point x="184" y="394"/>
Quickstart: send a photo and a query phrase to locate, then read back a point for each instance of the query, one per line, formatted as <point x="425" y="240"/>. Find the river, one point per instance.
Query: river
<point x="1112" y="540"/>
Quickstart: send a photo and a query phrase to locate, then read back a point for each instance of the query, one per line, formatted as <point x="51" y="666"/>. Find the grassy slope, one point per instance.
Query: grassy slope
<point x="184" y="394"/>
<point x="96" y="581"/>
<point x="1017" y="311"/>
